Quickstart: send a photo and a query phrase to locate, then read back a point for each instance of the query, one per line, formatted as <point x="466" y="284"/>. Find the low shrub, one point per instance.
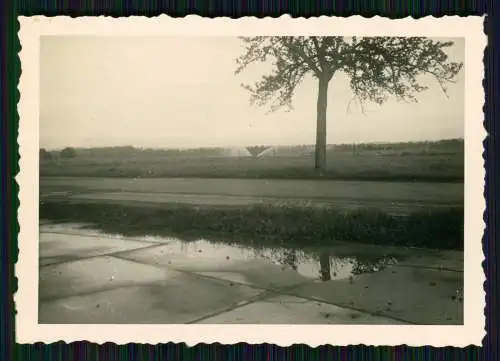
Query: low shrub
<point x="280" y="224"/>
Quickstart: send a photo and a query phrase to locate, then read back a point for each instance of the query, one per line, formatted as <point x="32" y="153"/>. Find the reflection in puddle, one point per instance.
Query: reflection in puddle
<point x="316" y="264"/>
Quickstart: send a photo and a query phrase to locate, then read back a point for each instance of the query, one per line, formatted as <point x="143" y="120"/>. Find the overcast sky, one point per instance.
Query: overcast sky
<point x="182" y="92"/>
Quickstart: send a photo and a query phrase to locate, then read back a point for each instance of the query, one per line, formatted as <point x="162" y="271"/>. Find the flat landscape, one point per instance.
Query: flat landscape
<point x="441" y="161"/>
<point x="288" y="245"/>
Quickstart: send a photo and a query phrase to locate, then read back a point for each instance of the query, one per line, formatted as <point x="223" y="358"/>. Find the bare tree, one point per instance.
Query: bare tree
<point x="378" y="67"/>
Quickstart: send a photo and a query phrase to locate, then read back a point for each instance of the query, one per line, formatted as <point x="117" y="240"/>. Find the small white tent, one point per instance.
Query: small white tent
<point x="236" y="152"/>
<point x="287" y="151"/>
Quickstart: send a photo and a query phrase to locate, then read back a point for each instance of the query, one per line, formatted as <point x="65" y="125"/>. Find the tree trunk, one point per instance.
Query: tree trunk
<point x="320" y="154"/>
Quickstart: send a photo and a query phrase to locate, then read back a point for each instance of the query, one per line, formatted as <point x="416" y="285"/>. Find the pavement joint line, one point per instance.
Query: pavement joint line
<point x="268" y="293"/>
<point x="261" y="296"/>
<point x="104" y="235"/>
<point x="111" y="254"/>
<point x="446" y="269"/>
<point x="371" y="313"/>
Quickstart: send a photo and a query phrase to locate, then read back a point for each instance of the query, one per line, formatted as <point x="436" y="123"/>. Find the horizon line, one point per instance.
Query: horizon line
<point x="254" y="145"/>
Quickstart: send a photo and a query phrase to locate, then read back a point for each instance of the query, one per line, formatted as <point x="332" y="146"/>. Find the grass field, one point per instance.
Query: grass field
<point x="429" y="162"/>
<point x="270" y="225"/>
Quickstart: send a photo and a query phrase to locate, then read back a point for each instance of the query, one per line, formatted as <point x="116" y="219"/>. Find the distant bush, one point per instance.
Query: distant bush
<point x="68" y="152"/>
<point x="44" y="154"/>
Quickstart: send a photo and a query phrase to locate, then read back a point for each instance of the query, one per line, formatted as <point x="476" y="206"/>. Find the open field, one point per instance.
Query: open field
<point x="426" y="162"/>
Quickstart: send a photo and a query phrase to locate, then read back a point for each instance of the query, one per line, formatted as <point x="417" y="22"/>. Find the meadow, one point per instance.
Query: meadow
<point x="441" y="161"/>
<point x="269" y="225"/>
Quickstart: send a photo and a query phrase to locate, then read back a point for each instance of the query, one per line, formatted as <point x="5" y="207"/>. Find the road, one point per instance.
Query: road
<point x="247" y="191"/>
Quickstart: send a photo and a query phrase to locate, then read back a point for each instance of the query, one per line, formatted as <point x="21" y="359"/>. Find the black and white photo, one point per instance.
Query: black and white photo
<point x="244" y="176"/>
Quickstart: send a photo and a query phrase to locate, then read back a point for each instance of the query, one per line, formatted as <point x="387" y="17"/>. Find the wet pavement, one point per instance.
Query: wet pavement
<point x="90" y="277"/>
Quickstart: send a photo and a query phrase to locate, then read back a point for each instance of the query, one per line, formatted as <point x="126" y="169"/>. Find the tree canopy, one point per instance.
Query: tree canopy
<point x="378" y="68"/>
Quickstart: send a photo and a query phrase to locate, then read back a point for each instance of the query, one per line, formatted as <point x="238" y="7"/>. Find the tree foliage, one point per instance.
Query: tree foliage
<point x="68" y="152"/>
<point x="378" y="67"/>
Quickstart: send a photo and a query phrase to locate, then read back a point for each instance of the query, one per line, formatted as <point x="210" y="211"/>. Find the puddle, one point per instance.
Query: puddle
<point x="320" y="264"/>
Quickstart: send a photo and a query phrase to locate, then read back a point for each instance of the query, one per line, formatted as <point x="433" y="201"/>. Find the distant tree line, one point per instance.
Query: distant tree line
<point x="68" y="152"/>
<point x="441" y="146"/>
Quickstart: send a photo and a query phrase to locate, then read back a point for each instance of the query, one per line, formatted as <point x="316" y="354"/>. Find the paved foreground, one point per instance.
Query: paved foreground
<point x="89" y="277"/>
<point x="389" y="196"/>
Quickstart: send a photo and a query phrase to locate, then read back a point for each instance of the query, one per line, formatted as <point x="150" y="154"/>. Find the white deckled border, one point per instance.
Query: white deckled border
<point x="472" y="332"/>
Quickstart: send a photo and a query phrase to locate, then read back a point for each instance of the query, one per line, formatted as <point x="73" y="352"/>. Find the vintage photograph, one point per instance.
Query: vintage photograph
<point x="167" y="196"/>
<point x="272" y="180"/>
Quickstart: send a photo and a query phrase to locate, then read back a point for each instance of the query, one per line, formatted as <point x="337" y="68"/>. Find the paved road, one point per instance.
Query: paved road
<point x="244" y="191"/>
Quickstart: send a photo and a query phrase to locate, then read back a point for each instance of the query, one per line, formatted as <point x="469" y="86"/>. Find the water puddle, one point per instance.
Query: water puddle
<point x="329" y="263"/>
<point x="316" y="264"/>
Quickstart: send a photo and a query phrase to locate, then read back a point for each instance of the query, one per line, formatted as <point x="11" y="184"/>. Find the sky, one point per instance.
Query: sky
<point x="175" y="92"/>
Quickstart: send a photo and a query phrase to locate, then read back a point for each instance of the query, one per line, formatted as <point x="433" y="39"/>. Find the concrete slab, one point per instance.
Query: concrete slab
<point x="96" y="274"/>
<point x="294" y="310"/>
<point x="164" y="280"/>
<point x="416" y="295"/>
<point x="180" y="299"/>
<point x="55" y="247"/>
